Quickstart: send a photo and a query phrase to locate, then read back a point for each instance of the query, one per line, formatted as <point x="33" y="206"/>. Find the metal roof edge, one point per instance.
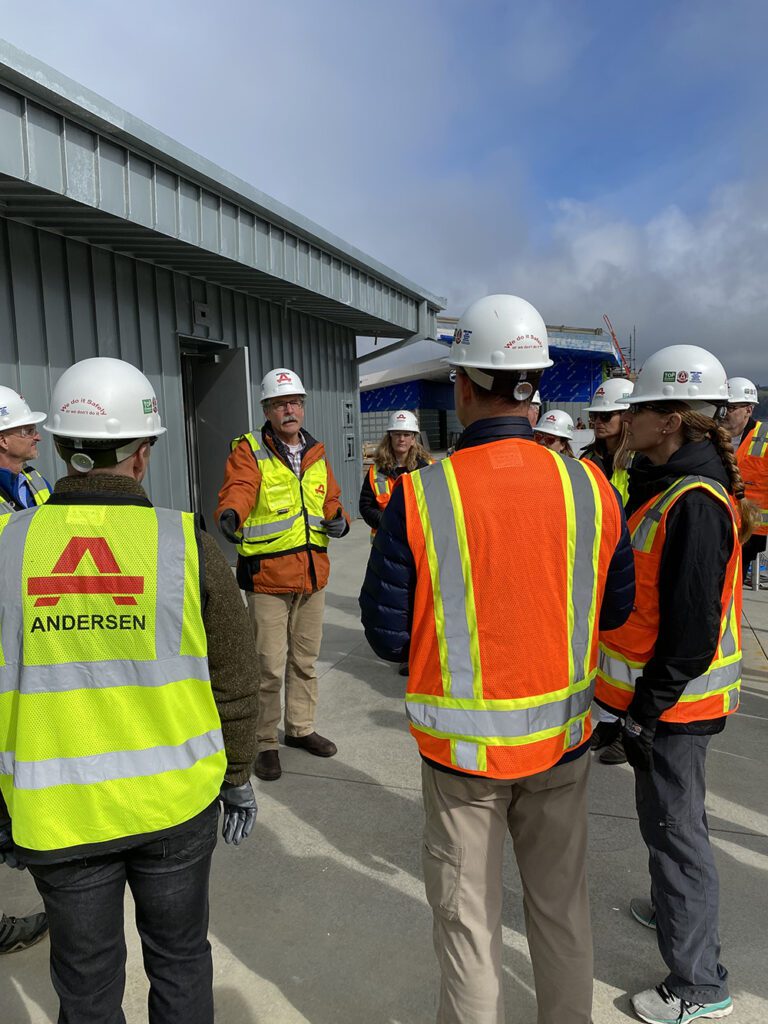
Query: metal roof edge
<point x="40" y="81"/>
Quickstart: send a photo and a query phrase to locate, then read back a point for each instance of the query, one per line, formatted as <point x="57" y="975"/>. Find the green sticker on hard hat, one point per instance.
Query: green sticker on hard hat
<point x="669" y="377"/>
<point x="147" y="403"/>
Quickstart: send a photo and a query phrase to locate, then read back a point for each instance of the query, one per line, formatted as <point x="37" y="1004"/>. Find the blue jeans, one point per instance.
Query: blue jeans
<point x="84" y="902"/>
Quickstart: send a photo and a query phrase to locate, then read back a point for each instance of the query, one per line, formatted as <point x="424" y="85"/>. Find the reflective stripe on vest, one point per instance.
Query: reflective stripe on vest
<point x="38" y="488"/>
<point x="289" y="511"/>
<point x="714" y="693"/>
<point x="752" y="457"/>
<point x="463" y="713"/>
<point x="105" y="694"/>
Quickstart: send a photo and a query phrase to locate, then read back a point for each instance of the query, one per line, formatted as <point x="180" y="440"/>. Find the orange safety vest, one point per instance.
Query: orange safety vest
<point x="752" y="458"/>
<point x="501" y="686"/>
<point x="625" y="651"/>
<point x="381" y="485"/>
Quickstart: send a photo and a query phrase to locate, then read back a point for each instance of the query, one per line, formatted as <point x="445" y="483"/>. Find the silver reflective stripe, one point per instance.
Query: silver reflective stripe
<point x="122" y="764"/>
<point x="12" y="543"/>
<point x="760" y="440"/>
<point x="733" y="699"/>
<point x="169" y="613"/>
<point x="6" y="508"/>
<point x="640" y="536"/>
<point x="100" y="675"/>
<point x="467" y="755"/>
<point x="488" y="723"/>
<point x="316" y="522"/>
<point x="716" y="679"/>
<point x="583" y="589"/>
<point x="443" y="523"/>
<point x="381" y="482"/>
<point x="266" y="529"/>
<point x="35" y="481"/>
<point x="6" y="762"/>
<point x="728" y="641"/>
<point x="262" y="453"/>
<point x="575" y="732"/>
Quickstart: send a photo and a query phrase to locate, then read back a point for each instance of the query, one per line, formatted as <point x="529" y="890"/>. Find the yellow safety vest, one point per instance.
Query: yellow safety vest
<point x="288" y="511"/>
<point x="37" y="486"/>
<point x="108" y="726"/>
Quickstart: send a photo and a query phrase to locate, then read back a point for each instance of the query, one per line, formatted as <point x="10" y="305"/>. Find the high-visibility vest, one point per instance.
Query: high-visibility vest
<point x="752" y="458"/>
<point x="501" y="686"/>
<point x="381" y="485"/>
<point x="108" y="726"/>
<point x="620" y="480"/>
<point x="288" y="512"/>
<point x="625" y="651"/>
<point x="38" y="488"/>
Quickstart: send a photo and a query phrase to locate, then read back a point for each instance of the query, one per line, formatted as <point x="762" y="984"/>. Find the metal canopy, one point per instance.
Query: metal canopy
<point x="72" y="163"/>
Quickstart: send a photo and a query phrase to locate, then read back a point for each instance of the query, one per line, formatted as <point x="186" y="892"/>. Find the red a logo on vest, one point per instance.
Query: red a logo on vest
<point x="49" y="589"/>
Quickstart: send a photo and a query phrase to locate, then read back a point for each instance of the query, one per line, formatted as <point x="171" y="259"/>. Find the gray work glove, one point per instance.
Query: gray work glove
<point x="335" y="527"/>
<point x="8" y="853"/>
<point x="228" y="524"/>
<point x="239" y="806"/>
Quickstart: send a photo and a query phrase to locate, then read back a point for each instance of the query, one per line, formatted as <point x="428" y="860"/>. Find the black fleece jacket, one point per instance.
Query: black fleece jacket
<point x="698" y="545"/>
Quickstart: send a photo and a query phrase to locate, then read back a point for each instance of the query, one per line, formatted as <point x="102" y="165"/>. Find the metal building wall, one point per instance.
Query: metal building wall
<point x="62" y="300"/>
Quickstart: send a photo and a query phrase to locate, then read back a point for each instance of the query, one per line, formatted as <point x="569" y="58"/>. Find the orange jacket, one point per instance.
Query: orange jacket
<point x="624" y="652"/>
<point x="294" y="573"/>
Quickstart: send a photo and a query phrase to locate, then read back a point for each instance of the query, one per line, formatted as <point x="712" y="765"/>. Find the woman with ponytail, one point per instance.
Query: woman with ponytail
<point x="673" y="671"/>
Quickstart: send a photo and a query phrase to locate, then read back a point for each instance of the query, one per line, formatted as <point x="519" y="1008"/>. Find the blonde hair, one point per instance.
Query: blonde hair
<point x="698" y="427"/>
<point x="385" y="460"/>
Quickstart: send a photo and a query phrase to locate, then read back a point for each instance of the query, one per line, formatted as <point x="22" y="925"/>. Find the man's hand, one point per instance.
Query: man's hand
<point x="7" y="849"/>
<point x="638" y="744"/>
<point x="335" y="527"/>
<point x="240" y="810"/>
<point x="228" y="524"/>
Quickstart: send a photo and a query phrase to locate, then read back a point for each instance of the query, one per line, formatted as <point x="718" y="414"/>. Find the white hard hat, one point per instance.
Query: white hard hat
<point x="741" y="389"/>
<point x="281" y="382"/>
<point x="500" y="333"/>
<point x="557" y="423"/>
<point x="14" y="411"/>
<point x="682" y="373"/>
<point x="403" y="420"/>
<point x="536" y="400"/>
<point x="104" y="399"/>
<point x="612" y="395"/>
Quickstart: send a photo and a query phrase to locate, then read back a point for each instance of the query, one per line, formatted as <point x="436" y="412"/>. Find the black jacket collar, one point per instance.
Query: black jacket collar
<point x="497" y="428"/>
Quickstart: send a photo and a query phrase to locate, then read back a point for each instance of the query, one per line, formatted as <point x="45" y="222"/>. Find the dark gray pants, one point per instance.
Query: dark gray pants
<point x="684" y="882"/>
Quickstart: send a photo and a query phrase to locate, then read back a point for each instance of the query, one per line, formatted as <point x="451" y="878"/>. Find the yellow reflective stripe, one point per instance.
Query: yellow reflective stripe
<point x="434" y="574"/>
<point x="570" y="559"/>
<point x="596" y="541"/>
<point x="466" y="571"/>
<point x="758" y="446"/>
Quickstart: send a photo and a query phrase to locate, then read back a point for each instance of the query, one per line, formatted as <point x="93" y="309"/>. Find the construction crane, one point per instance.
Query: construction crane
<point x="619" y="351"/>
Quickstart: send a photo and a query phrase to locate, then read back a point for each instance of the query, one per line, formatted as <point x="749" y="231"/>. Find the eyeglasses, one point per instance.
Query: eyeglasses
<point x="604" y="417"/>
<point x="297" y="403"/>
<point x="24" y="431"/>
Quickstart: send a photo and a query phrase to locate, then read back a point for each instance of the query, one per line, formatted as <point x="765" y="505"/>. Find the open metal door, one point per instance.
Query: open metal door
<point x="218" y="407"/>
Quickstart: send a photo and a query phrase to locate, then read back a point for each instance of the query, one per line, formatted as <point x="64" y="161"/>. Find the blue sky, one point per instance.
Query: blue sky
<point x="593" y="157"/>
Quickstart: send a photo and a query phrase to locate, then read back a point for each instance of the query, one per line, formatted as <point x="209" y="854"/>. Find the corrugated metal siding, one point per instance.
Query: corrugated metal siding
<point x="62" y="176"/>
<point x="62" y="300"/>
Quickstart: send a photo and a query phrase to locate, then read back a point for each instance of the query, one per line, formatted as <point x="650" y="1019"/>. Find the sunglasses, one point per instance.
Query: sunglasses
<point x="604" y="417"/>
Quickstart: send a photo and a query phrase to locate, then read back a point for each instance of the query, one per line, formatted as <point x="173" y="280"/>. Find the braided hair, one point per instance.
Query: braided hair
<point x="698" y="427"/>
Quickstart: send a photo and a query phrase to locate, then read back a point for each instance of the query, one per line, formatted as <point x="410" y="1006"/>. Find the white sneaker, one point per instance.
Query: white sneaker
<point x="660" y="1006"/>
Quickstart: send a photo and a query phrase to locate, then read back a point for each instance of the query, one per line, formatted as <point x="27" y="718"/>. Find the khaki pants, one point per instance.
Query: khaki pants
<point x="288" y="630"/>
<point x="467" y="819"/>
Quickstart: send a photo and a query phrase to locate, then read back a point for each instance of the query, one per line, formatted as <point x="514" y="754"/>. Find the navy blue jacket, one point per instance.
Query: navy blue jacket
<point x="386" y="600"/>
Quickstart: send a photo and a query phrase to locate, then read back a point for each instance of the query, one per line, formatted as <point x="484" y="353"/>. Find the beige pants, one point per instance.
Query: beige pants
<point x="288" y="630"/>
<point x="467" y="820"/>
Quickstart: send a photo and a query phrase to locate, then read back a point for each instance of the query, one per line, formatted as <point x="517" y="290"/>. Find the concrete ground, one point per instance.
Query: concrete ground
<point x="320" y="917"/>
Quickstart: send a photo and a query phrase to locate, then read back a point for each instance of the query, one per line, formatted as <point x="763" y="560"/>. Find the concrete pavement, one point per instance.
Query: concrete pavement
<point x="320" y="917"/>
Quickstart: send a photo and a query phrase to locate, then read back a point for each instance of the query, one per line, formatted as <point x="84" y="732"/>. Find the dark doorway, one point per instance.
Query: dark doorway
<point x="216" y="386"/>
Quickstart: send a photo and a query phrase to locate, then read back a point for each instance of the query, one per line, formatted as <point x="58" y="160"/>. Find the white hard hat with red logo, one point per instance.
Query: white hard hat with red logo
<point x="403" y="420"/>
<point x="557" y="423"/>
<point x="14" y="411"/>
<point x="612" y="395"/>
<point x="741" y="390"/>
<point x="104" y="399"/>
<point x="500" y="333"/>
<point x="281" y="383"/>
<point x="682" y="373"/>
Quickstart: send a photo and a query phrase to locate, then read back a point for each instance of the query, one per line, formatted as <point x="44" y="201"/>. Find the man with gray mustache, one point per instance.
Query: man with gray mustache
<point x="279" y="504"/>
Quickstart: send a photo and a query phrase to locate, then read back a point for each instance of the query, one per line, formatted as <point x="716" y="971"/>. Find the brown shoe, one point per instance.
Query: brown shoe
<point x="313" y="744"/>
<point x="267" y="767"/>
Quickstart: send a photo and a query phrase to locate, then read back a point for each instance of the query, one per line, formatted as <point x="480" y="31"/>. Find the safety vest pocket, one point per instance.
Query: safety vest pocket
<point x="280" y="498"/>
<point x="441" y="864"/>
